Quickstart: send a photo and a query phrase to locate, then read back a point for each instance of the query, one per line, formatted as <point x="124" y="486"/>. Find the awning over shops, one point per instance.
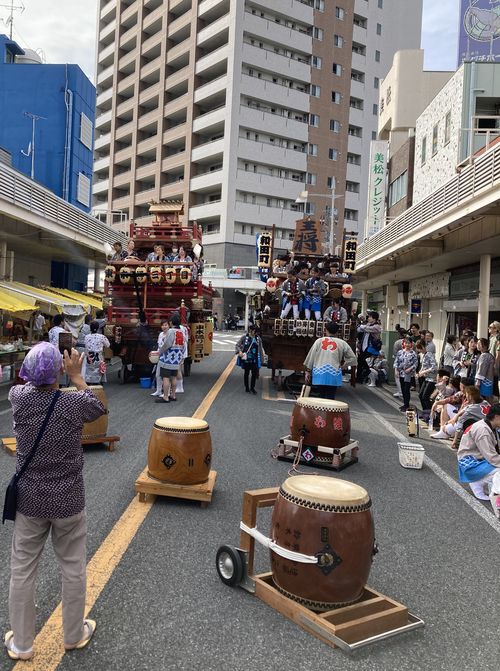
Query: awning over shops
<point x="45" y="300"/>
<point x="20" y="307"/>
<point x="86" y="299"/>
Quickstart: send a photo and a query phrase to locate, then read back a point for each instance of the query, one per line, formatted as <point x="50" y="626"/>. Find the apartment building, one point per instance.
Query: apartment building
<point x="236" y="107"/>
<point x="381" y="28"/>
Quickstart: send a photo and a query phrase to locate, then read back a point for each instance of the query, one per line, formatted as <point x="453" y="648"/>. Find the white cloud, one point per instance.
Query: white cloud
<point x="65" y="30"/>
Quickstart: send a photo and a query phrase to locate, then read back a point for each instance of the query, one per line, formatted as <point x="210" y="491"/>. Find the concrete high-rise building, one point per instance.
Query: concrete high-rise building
<point x="237" y="106"/>
<point x="381" y="28"/>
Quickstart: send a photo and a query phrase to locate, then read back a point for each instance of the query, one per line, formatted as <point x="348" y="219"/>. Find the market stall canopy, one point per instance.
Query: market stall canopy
<point x="86" y="299"/>
<point x="21" y="307"/>
<point x="45" y="300"/>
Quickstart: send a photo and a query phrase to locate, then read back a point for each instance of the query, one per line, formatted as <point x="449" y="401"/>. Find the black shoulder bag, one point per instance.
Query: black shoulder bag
<point x="10" y="504"/>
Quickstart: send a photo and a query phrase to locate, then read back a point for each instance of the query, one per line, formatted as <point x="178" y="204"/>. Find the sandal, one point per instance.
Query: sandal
<point x="89" y="627"/>
<point x="161" y="400"/>
<point x="9" y="644"/>
<point x="172" y="398"/>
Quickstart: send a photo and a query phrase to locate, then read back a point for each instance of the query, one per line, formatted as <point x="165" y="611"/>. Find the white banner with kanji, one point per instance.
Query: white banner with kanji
<point x="377" y="186"/>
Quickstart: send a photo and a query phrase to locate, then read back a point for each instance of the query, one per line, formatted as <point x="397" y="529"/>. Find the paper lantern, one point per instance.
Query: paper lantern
<point x="141" y="273"/>
<point x="125" y="275"/>
<point x="170" y="275"/>
<point x="185" y="275"/>
<point x="347" y="291"/>
<point x="110" y="273"/>
<point x="155" y="274"/>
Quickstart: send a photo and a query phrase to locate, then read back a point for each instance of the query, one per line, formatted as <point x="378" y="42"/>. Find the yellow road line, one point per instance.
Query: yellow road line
<point x="49" y="649"/>
<point x="266" y="395"/>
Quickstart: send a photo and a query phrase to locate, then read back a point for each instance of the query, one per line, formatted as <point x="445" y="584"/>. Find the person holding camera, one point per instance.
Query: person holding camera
<point x="50" y="493"/>
<point x="369" y="343"/>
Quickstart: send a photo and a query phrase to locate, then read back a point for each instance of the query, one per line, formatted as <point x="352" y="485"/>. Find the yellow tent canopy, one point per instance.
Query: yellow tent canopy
<point x="45" y="300"/>
<point x="20" y="307"/>
<point x="85" y="299"/>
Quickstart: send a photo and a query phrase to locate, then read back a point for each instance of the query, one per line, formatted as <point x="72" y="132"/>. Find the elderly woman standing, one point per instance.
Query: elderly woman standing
<point x="406" y="365"/>
<point x="95" y="343"/>
<point x="51" y="495"/>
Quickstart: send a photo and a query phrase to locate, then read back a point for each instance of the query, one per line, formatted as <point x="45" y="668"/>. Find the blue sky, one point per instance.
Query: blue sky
<point x="65" y="31"/>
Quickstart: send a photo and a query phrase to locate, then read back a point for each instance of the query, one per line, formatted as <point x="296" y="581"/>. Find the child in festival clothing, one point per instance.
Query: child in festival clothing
<point x="473" y="409"/>
<point x="292" y="290"/>
<point x="315" y="290"/>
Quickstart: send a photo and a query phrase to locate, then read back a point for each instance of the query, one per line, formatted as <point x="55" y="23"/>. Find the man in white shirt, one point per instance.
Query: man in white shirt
<point x="57" y="328"/>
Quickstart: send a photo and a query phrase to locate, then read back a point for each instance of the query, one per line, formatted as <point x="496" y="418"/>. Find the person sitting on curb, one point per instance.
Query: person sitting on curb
<point x="378" y="370"/>
<point x="472" y="411"/>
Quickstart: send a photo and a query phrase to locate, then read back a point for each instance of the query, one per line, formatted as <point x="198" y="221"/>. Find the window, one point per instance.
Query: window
<point x="312" y="149"/>
<point x="337" y="69"/>
<point x="316" y="62"/>
<point x="377" y="56"/>
<point x="351" y="215"/>
<point x="311" y="178"/>
<point x="435" y="133"/>
<point x="333" y="154"/>
<point x="356" y="103"/>
<point x="320" y="5"/>
<point x="379" y="29"/>
<point x="335" y="125"/>
<point x="423" y="150"/>
<point x="381" y="4"/>
<point x="375" y="109"/>
<point x="86" y="131"/>
<point x="338" y="41"/>
<point x="360" y="21"/>
<point x="376" y="82"/>
<point x="315" y="90"/>
<point x="353" y="187"/>
<point x="339" y="13"/>
<point x="318" y="33"/>
<point x="330" y="181"/>
<point x="83" y="190"/>
<point x="358" y="48"/>
<point x="309" y="208"/>
<point x="353" y="159"/>
<point x="355" y="131"/>
<point x="398" y="188"/>
<point x="358" y="76"/>
<point x="314" y="120"/>
<point x="374" y="134"/>
<point x="336" y="97"/>
<point x="447" y="127"/>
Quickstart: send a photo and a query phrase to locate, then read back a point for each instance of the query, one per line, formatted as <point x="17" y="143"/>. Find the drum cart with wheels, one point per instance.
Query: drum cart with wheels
<point x="335" y="459"/>
<point x="373" y="618"/>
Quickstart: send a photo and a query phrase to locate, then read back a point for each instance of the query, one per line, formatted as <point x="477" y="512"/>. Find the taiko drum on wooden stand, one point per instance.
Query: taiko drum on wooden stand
<point x="180" y="450"/>
<point x="321" y="421"/>
<point x="329" y="519"/>
<point x="98" y="428"/>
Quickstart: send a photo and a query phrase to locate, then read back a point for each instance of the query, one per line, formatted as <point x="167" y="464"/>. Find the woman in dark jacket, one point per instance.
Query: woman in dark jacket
<point x="250" y="356"/>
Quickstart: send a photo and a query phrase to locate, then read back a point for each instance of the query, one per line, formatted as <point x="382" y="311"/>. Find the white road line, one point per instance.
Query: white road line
<point x="452" y="484"/>
<point x="219" y="342"/>
<point x="4" y="412"/>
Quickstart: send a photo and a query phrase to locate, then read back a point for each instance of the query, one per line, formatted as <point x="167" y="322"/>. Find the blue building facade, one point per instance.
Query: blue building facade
<point x="59" y="153"/>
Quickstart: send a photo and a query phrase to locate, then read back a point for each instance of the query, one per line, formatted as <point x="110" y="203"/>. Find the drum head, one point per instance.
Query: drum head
<point x="329" y="491"/>
<point x="322" y="404"/>
<point x="181" y="424"/>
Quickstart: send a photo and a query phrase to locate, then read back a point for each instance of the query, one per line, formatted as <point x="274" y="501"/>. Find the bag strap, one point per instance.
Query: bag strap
<point x="39" y="436"/>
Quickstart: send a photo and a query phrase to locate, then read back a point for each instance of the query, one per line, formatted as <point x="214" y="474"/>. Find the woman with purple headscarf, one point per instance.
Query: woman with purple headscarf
<point x="51" y="495"/>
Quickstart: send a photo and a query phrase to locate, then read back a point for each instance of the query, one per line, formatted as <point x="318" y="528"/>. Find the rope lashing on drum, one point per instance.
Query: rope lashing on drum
<point x="272" y="545"/>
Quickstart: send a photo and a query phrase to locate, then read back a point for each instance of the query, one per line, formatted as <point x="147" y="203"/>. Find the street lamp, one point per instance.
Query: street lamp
<point x="304" y="196"/>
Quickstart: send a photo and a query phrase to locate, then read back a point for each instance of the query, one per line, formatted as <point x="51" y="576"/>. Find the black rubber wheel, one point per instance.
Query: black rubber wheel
<point x="229" y="565"/>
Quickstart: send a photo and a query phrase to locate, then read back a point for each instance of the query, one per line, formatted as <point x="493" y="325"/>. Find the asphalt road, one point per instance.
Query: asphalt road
<point x="165" y="608"/>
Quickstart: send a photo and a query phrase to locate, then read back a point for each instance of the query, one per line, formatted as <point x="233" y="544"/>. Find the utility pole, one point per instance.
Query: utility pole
<point x="12" y="8"/>
<point x="31" y="150"/>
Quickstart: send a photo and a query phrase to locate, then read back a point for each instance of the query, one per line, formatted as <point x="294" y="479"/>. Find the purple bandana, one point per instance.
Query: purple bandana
<point x="42" y="364"/>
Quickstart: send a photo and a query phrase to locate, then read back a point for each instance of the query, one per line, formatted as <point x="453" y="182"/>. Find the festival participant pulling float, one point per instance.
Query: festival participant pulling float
<point x="303" y="290"/>
<point x="140" y="293"/>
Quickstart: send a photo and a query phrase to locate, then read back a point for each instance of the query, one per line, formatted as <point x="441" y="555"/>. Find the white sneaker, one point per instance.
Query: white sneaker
<point x="439" y="434"/>
<point x="156" y="393"/>
<point x="398" y="395"/>
<point x="371" y="385"/>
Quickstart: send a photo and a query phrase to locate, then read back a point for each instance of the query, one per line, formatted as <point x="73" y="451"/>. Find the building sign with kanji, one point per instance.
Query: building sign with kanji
<point x="264" y="251"/>
<point x="350" y="249"/>
<point x="307" y="238"/>
<point x="376" y="187"/>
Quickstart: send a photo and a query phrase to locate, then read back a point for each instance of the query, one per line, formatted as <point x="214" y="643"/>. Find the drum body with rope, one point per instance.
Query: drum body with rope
<point x="329" y="519"/>
<point x="321" y="421"/>
<point x="97" y="429"/>
<point x="180" y="450"/>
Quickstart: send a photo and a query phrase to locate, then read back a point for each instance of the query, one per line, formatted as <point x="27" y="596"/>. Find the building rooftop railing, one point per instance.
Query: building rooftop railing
<point x="482" y="175"/>
<point x="30" y="196"/>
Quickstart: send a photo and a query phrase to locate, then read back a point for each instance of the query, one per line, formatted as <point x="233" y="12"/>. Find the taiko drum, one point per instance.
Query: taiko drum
<point x="331" y="520"/>
<point x="321" y="421"/>
<point x="97" y="429"/>
<point x="180" y="450"/>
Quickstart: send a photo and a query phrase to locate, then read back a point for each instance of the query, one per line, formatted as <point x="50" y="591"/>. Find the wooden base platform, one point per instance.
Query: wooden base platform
<point x="145" y="485"/>
<point x="10" y="443"/>
<point x="373" y="618"/>
<point x="335" y="459"/>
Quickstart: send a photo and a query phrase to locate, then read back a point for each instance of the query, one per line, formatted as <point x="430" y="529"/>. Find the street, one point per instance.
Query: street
<point x="162" y="605"/>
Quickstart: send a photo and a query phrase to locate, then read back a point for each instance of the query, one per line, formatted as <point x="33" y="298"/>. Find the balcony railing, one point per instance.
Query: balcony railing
<point x="26" y="194"/>
<point x="476" y="179"/>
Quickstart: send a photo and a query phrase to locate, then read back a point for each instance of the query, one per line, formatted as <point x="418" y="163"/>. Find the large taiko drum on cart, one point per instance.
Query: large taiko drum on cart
<point x="97" y="429"/>
<point x="321" y="421"/>
<point x="330" y="519"/>
<point x="180" y="450"/>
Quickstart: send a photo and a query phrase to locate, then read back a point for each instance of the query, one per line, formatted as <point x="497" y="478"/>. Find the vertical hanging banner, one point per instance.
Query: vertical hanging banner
<point x="377" y="186"/>
<point x="307" y="238"/>
<point x="350" y="249"/>
<point x="264" y="243"/>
